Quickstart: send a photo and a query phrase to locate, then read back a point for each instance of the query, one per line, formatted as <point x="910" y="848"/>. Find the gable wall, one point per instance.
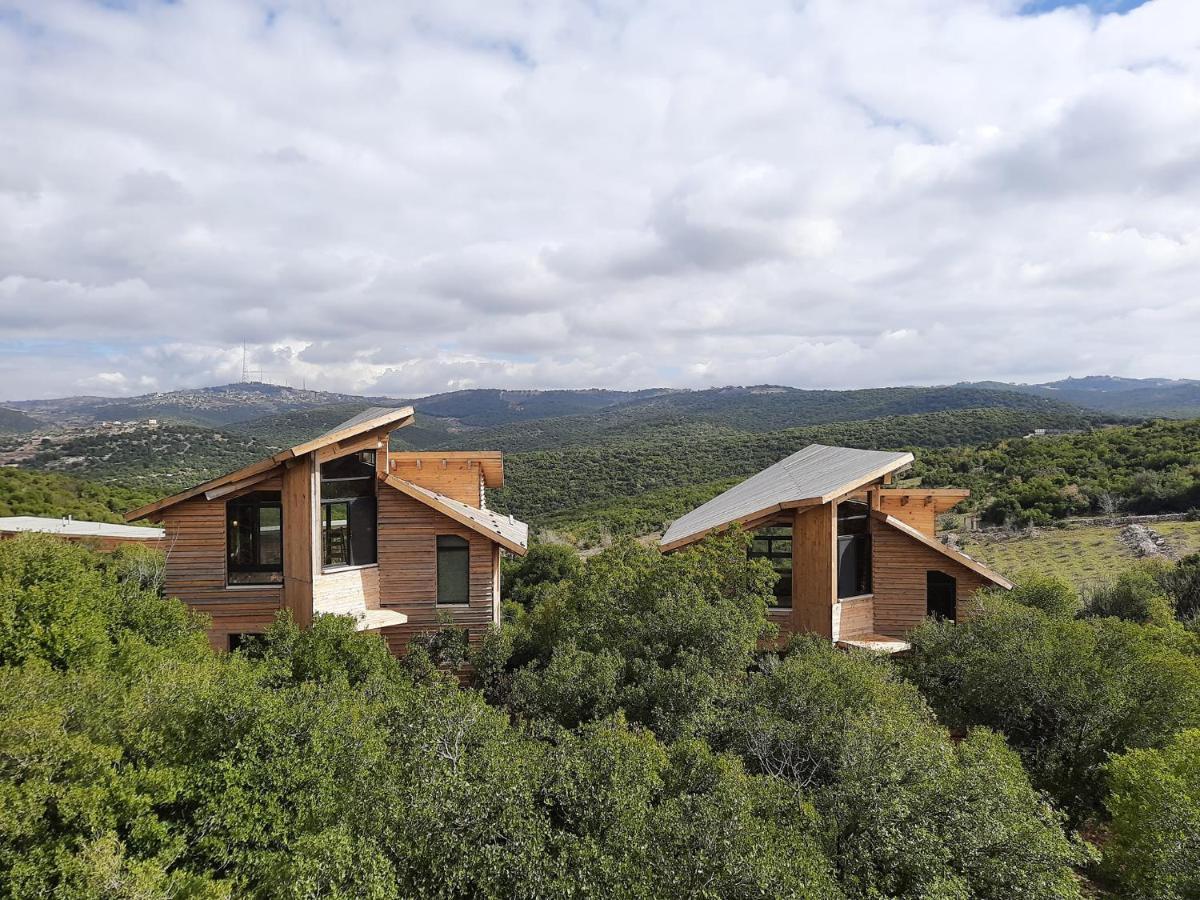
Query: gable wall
<point x="899" y="567"/>
<point x="916" y="512"/>
<point x="408" y="533"/>
<point x="195" y="571"/>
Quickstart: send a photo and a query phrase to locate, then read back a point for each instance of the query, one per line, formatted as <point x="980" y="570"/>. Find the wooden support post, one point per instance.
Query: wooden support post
<point x="299" y="542"/>
<point x="814" y="569"/>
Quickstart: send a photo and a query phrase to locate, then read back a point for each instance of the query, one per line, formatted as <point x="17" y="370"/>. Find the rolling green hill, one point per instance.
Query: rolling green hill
<point x="1150" y="397"/>
<point x="543" y="485"/>
<point x="158" y="459"/>
<point x="13" y="421"/>
<point x="757" y="410"/>
<point x="24" y="493"/>
<point x="1148" y="468"/>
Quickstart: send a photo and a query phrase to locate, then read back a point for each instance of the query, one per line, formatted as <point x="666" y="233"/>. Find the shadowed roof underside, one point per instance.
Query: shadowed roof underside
<point x="809" y="477"/>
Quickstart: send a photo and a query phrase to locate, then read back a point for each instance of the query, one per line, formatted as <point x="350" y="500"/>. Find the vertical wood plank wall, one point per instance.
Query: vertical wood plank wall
<point x="195" y="571"/>
<point x="814" y="568"/>
<point x="408" y="533"/>
<point x="299" y="527"/>
<point x="899" y="571"/>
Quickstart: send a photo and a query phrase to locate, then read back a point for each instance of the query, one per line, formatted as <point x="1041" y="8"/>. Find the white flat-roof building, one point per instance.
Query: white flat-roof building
<point x="104" y="534"/>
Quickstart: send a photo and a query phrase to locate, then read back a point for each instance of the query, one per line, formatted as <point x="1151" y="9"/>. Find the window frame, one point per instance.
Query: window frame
<point x="782" y="601"/>
<point x="255" y="501"/>
<point x="350" y="499"/>
<point x="465" y="549"/>
<point x="862" y="548"/>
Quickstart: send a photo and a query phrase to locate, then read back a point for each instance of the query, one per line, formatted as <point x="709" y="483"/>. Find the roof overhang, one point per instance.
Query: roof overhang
<point x="756" y="514"/>
<point x="490" y="462"/>
<point x="343" y="438"/>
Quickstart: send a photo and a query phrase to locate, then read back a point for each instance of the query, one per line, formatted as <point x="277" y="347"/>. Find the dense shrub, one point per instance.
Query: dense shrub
<point x="1050" y="594"/>
<point x="1065" y="693"/>
<point x="1136" y="595"/>
<point x="910" y="813"/>
<point x="662" y="638"/>
<point x="312" y="765"/>
<point x="1154" y="851"/>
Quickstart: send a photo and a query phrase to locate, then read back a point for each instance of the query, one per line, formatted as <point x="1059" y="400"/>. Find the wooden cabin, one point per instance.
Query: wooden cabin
<point x="858" y="560"/>
<point x="400" y="541"/>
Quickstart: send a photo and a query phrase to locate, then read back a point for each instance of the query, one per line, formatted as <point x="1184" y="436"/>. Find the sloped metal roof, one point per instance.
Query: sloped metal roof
<point x="367" y="415"/>
<point x="810" y="476"/>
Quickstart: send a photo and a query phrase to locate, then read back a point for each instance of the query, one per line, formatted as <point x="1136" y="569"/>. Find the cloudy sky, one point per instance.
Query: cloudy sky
<point x="404" y="197"/>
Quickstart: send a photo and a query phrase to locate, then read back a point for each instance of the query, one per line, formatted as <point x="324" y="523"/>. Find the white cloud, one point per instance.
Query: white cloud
<point x="403" y="198"/>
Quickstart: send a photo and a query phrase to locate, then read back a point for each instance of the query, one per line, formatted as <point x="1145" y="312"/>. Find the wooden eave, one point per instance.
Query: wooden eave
<point x="384" y="423"/>
<point x="957" y="556"/>
<point x="466" y="516"/>
<point x="491" y="462"/>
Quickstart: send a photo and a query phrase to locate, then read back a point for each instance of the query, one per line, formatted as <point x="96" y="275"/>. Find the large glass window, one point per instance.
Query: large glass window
<point x="348" y="511"/>
<point x="775" y="546"/>
<point x="854" y="549"/>
<point x="254" y="539"/>
<point x="453" y="569"/>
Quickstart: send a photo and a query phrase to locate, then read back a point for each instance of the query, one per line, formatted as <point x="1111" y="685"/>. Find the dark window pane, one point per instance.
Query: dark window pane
<point x="336" y="534"/>
<point x="356" y="465"/>
<point x="362" y="531"/>
<point x="854" y="565"/>
<point x="453" y="569"/>
<point x="853" y="517"/>
<point x="775" y="546"/>
<point x="254" y="539"/>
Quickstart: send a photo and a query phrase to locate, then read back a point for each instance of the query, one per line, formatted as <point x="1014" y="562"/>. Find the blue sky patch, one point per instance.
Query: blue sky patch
<point x="1100" y="7"/>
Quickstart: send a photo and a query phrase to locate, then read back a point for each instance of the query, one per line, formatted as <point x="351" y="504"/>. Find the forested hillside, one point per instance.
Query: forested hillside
<point x="1149" y="468"/>
<point x="1166" y="397"/>
<point x="13" y="421"/>
<point x="759" y="410"/>
<point x="544" y="483"/>
<point x="24" y="493"/>
<point x="152" y="458"/>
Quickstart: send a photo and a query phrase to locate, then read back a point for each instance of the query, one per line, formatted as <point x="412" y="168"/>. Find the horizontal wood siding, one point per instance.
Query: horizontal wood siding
<point x="195" y="572"/>
<point x="853" y="618"/>
<point x="899" y="571"/>
<point x="408" y="533"/>
<point x="346" y="592"/>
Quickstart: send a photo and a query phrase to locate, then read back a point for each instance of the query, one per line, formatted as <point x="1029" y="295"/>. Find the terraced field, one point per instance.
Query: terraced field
<point x="1080" y="555"/>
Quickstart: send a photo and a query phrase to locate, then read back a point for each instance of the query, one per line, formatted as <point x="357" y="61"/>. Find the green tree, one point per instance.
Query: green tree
<point x="910" y="813"/>
<point x="1065" y="693"/>
<point x="1154" y="802"/>
<point x="662" y="638"/>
